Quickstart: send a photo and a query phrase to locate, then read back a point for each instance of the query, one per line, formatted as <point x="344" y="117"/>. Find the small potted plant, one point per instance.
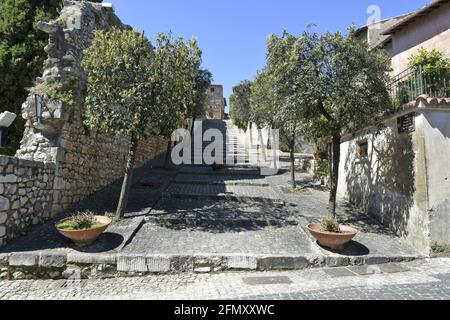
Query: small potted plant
<point x="83" y="228"/>
<point x="331" y="234"/>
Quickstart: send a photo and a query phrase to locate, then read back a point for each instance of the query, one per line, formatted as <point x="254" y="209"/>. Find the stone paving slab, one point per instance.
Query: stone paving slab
<point x="215" y="191"/>
<point x="190" y="213"/>
<point x="233" y="170"/>
<point x="220" y="179"/>
<point x="154" y="239"/>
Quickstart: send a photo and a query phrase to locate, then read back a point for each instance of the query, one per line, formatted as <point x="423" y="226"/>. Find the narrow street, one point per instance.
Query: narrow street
<point x="193" y="220"/>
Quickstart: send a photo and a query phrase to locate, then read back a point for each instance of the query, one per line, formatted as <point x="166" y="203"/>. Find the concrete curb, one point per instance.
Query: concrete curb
<point x="42" y="265"/>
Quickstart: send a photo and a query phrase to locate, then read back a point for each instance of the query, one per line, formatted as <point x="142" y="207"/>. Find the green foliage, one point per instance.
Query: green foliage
<point x="80" y="221"/>
<point x="21" y="56"/>
<point x="181" y="81"/>
<point x="437" y="247"/>
<point x="324" y="169"/>
<point x="198" y="106"/>
<point x="137" y="89"/>
<point x="330" y="224"/>
<point x="320" y="86"/>
<point x="434" y="63"/>
<point x="435" y="71"/>
<point x="240" y="104"/>
<point x="54" y="91"/>
<point x="134" y="87"/>
<point x="118" y="65"/>
<point x="262" y="111"/>
<point x="352" y="87"/>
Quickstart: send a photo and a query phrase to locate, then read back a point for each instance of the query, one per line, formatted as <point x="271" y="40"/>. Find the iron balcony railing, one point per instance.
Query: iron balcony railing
<point x="408" y="85"/>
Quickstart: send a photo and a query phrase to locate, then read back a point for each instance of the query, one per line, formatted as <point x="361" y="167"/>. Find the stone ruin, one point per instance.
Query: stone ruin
<point x="60" y="161"/>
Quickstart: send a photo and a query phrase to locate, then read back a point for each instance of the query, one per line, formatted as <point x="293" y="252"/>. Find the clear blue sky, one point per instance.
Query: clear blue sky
<point x="233" y="33"/>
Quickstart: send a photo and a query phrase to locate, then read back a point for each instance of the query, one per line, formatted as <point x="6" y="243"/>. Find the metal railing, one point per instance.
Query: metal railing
<point x="408" y="85"/>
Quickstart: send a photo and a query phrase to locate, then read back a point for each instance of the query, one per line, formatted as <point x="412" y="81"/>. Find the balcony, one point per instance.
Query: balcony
<point x="408" y="85"/>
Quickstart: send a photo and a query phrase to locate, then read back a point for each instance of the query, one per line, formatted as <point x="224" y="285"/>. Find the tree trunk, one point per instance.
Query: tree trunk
<point x="127" y="179"/>
<point x="263" y="147"/>
<point x="192" y="127"/>
<point x="293" y="182"/>
<point x="334" y="170"/>
<point x="168" y="152"/>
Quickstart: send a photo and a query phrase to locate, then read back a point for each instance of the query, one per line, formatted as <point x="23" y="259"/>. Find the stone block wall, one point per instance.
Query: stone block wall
<point x="93" y="161"/>
<point x="61" y="162"/>
<point x="26" y="195"/>
<point x="86" y="161"/>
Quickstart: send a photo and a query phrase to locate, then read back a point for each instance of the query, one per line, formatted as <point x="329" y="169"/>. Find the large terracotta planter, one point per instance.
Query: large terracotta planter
<point x="334" y="241"/>
<point x="85" y="237"/>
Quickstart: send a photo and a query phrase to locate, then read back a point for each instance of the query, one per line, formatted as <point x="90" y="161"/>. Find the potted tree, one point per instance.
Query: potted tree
<point x="326" y="85"/>
<point x="83" y="228"/>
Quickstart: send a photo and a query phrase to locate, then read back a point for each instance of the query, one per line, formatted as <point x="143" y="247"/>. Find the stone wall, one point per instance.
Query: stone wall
<point x="60" y="161"/>
<point x="86" y="161"/>
<point x="26" y="195"/>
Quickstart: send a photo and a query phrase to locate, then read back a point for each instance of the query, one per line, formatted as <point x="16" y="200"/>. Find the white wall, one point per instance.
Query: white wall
<point x="437" y="146"/>
<point x="389" y="183"/>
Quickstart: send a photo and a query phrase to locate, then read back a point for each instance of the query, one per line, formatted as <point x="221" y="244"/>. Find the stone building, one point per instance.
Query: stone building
<point x="400" y="174"/>
<point x="60" y="161"/>
<point x="403" y="36"/>
<point x="217" y="103"/>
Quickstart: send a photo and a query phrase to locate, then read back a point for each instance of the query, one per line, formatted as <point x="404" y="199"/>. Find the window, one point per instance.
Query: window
<point x="213" y="89"/>
<point x="363" y="149"/>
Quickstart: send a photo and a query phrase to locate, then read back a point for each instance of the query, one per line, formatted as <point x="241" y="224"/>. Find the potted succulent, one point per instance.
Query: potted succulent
<point x="331" y="234"/>
<point x="83" y="228"/>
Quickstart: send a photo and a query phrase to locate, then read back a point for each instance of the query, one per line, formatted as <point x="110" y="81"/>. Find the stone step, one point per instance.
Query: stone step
<point x="228" y="170"/>
<point x="220" y="182"/>
<point x="227" y="197"/>
<point x="137" y="264"/>
<point x="172" y="221"/>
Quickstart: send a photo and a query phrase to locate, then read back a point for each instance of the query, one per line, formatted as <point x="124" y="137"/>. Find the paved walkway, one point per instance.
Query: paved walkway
<point x="193" y="219"/>
<point x="420" y="280"/>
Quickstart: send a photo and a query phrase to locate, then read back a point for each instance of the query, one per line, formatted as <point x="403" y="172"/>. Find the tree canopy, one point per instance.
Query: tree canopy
<point x="324" y="85"/>
<point x="240" y="104"/>
<point x="137" y="89"/>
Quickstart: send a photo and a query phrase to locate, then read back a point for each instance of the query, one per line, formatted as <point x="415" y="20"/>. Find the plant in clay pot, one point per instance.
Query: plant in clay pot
<point x="331" y="234"/>
<point x="83" y="228"/>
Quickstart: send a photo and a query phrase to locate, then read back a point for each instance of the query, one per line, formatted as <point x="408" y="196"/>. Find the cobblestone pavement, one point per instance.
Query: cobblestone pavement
<point x="238" y="212"/>
<point x="425" y="279"/>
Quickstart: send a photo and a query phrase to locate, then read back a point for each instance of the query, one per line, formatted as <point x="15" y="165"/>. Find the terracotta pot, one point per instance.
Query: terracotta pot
<point x="334" y="241"/>
<point x="85" y="237"/>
